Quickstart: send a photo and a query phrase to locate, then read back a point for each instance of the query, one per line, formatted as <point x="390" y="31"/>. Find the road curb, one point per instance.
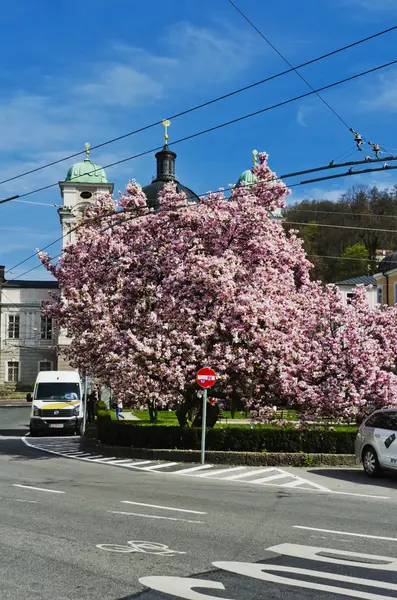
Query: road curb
<point x="271" y="459"/>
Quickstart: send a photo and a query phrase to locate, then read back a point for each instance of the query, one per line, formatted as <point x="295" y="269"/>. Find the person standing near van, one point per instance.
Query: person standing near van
<point x="119" y="408"/>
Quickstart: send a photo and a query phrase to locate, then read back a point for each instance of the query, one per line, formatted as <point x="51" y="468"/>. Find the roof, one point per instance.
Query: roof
<point x="247" y="177"/>
<point x="20" y="283"/>
<point x="388" y="263"/>
<point x="62" y="376"/>
<point x="362" y="280"/>
<point x="152" y="191"/>
<point x="86" y="172"/>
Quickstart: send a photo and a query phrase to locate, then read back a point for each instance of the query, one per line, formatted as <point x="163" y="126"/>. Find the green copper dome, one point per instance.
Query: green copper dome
<point x="247" y="178"/>
<point x="86" y="172"/>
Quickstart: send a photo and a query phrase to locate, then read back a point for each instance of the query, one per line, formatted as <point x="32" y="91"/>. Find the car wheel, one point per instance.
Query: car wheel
<point x="33" y="432"/>
<point x="371" y="462"/>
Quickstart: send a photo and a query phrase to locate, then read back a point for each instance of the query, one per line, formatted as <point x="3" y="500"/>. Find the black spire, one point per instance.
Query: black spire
<point x="165" y="164"/>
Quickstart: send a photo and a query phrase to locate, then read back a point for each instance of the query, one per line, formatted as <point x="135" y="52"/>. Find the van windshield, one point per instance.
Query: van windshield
<point x="64" y="391"/>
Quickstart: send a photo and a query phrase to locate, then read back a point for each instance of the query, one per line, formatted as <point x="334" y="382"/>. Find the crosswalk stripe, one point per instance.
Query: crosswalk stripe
<point x="191" y="469"/>
<point x="121" y="461"/>
<point x="157" y="466"/>
<point x="220" y="471"/>
<point x="247" y="474"/>
<point x="240" y="474"/>
<point x="271" y="478"/>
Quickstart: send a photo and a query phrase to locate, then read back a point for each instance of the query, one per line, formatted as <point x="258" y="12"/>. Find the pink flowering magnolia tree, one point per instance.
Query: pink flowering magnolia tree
<point x="149" y="298"/>
<point x="345" y="355"/>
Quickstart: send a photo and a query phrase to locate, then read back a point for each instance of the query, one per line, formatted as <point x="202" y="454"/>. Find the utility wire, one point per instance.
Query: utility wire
<point x="337" y="212"/>
<point x="120" y="223"/>
<point x="342" y="227"/>
<point x="217" y="127"/>
<point x="330" y="166"/>
<point x="208" y="103"/>
<point x="358" y="138"/>
<point x="295" y="69"/>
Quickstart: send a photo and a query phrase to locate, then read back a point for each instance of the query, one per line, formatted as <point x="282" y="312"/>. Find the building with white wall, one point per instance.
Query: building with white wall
<point x="28" y="340"/>
<point x="348" y="286"/>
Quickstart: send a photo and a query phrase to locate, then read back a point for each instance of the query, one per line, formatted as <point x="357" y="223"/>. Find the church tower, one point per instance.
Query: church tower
<point x="83" y="182"/>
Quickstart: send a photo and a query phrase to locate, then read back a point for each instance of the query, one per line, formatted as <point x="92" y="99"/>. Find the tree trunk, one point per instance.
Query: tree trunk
<point x="188" y="408"/>
<point x="152" y="410"/>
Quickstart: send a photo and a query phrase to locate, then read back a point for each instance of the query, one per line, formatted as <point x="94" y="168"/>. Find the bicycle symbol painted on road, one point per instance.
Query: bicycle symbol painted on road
<point x="140" y="546"/>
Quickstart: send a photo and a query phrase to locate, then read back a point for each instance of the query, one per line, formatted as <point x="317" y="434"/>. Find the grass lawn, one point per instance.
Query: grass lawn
<point x="168" y="418"/>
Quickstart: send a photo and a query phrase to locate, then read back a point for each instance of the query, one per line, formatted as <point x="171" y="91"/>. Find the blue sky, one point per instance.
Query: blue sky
<point x="75" y="71"/>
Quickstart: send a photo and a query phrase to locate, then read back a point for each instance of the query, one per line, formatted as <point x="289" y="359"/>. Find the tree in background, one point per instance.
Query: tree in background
<point x="361" y="207"/>
<point x="353" y="263"/>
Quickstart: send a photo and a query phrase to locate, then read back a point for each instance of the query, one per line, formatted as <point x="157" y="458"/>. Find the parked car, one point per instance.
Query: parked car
<point x="376" y="442"/>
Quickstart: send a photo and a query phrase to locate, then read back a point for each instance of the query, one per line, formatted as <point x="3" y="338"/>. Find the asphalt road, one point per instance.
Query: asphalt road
<point x="15" y="420"/>
<point x="81" y="530"/>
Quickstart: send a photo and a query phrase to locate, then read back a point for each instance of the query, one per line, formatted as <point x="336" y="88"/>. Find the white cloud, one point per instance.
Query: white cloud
<point x="40" y="128"/>
<point x="374" y="5"/>
<point x="304" y="113"/>
<point x="384" y="95"/>
<point x="120" y="85"/>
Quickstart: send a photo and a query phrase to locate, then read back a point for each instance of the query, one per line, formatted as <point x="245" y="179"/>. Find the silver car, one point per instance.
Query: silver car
<point x="376" y="442"/>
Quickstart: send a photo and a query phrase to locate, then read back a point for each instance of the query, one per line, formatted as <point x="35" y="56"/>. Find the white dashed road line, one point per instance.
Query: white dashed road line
<point x="31" y="487"/>
<point x="185" y="510"/>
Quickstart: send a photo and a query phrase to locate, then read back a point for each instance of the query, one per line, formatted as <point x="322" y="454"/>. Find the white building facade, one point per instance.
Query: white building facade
<point x="28" y="340"/>
<point x="29" y="343"/>
<point x="348" y="286"/>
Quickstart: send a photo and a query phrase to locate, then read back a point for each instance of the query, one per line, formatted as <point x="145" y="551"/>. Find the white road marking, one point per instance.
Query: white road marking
<point x="264" y="573"/>
<point x="138" y="464"/>
<point x="182" y="587"/>
<point x="120" y="512"/>
<point x="185" y="510"/>
<point x="191" y="469"/>
<point x="159" y="466"/>
<point x="358" y="559"/>
<point x="248" y="474"/>
<point x="270" y="478"/>
<point x="362" y="535"/>
<point x="220" y="471"/>
<point x="121" y="461"/>
<point x="301" y="481"/>
<point x="140" y="546"/>
<point x="30" y="487"/>
<point x="360" y="495"/>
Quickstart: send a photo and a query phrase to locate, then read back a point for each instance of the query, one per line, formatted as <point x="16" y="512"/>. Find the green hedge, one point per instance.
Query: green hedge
<point x="258" y="439"/>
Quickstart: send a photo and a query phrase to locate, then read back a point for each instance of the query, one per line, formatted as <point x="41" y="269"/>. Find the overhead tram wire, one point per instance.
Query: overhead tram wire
<point x="217" y="127"/>
<point x="281" y="177"/>
<point x="295" y="69"/>
<point x="337" y="212"/>
<point x="348" y="174"/>
<point x="208" y="103"/>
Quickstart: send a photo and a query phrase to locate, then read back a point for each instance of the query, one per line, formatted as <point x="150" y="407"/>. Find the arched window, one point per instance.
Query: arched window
<point x="379" y="294"/>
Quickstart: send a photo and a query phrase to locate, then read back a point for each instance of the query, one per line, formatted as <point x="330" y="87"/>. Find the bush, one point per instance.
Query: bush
<point x="259" y="439"/>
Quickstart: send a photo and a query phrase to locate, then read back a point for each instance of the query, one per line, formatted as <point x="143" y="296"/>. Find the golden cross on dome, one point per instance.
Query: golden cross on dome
<point x="166" y="124"/>
<point x="255" y="155"/>
<point x="87" y="149"/>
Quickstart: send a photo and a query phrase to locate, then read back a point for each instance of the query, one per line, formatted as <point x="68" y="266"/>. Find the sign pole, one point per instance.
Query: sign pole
<point x="203" y="426"/>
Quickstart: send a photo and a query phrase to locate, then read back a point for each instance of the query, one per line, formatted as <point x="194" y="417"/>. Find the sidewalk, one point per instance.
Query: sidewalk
<point x="14" y="402"/>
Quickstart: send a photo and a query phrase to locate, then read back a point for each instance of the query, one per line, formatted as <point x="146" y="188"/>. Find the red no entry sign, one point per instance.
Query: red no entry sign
<point x="206" y="377"/>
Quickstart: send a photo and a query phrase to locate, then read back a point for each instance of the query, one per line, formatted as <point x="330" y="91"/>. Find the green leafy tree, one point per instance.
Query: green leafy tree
<point x="354" y="261"/>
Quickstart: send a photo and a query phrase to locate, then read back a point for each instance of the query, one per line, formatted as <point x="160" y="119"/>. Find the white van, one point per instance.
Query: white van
<point x="57" y="403"/>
